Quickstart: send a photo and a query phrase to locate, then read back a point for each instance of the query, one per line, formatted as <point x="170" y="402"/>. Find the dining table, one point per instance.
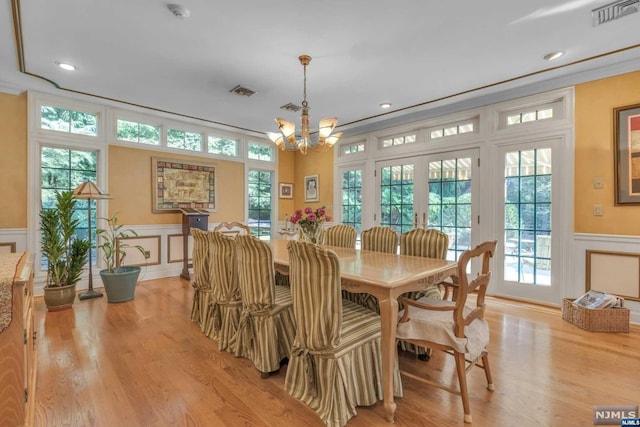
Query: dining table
<point x="386" y="277"/>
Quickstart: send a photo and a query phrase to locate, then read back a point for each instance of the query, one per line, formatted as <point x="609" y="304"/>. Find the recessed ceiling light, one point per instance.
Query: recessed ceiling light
<point x="66" y="66"/>
<point x="385" y="105"/>
<point x="553" y="55"/>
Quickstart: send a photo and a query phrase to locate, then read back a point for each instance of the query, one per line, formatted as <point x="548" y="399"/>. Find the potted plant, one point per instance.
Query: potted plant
<point x="66" y="254"/>
<point x="119" y="281"/>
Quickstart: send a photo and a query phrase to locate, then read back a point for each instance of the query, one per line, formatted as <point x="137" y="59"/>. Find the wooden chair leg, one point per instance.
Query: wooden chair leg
<point x="487" y="371"/>
<point x="462" y="380"/>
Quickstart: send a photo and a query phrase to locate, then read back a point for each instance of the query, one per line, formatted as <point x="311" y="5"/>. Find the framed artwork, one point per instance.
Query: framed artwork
<point x="180" y="184"/>
<point x="311" y="188"/>
<point x="626" y="129"/>
<point x="286" y="191"/>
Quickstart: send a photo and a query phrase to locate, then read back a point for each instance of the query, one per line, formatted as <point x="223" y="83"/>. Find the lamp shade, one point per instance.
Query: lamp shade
<point x="88" y="190"/>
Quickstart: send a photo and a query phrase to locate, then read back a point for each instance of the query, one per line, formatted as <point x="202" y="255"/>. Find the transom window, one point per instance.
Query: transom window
<point x="184" y="140"/>
<point x="451" y="130"/>
<point x="353" y="148"/>
<point x="529" y="116"/>
<point x="259" y="151"/>
<point x="63" y="120"/>
<point x="138" y="132"/>
<point x="399" y="140"/>
<point x="222" y="146"/>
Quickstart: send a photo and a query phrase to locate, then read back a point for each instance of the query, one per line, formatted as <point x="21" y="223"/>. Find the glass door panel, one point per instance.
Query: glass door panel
<point x="449" y="204"/>
<point x="528" y="263"/>
<point x="431" y="191"/>
<point x="397" y="196"/>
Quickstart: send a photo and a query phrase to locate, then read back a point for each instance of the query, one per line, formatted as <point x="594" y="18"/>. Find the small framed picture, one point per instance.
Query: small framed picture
<point x="286" y="191"/>
<point x="311" y="188"/>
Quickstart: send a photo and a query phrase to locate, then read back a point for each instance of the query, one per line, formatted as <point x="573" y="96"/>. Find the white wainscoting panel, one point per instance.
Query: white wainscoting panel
<point x="604" y="243"/>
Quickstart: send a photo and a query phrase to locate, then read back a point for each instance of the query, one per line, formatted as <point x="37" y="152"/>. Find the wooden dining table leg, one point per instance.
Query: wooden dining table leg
<point x="389" y="319"/>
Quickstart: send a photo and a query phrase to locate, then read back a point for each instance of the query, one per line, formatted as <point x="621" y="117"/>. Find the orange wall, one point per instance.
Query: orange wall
<point x="286" y="174"/>
<point x="130" y="187"/>
<point x="594" y="106"/>
<point x="13" y="161"/>
<point x="314" y="163"/>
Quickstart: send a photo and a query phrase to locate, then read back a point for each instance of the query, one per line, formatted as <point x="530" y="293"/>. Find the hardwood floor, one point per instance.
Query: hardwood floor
<point x="143" y="363"/>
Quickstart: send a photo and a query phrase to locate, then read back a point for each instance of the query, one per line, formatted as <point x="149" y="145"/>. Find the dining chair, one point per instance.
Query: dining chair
<point x="335" y="362"/>
<point x="380" y="239"/>
<point x="226" y="307"/>
<point x="267" y="327"/>
<point x="233" y="228"/>
<point x="341" y="235"/>
<point x="455" y="327"/>
<point x="203" y="292"/>
<point x="428" y="243"/>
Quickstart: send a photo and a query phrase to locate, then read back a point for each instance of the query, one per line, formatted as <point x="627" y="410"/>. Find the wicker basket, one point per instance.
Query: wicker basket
<point x="596" y="320"/>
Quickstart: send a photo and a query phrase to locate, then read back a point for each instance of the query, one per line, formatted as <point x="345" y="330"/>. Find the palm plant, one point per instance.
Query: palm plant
<point x="113" y="243"/>
<point x="66" y="254"/>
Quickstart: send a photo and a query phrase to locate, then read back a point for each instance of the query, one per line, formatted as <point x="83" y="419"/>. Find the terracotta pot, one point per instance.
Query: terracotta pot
<point x="59" y="298"/>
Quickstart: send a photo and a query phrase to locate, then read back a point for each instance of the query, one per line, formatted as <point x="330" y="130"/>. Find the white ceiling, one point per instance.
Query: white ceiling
<point x="365" y="52"/>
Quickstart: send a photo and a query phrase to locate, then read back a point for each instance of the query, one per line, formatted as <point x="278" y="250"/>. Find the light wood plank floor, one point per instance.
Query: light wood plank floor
<point x="143" y="363"/>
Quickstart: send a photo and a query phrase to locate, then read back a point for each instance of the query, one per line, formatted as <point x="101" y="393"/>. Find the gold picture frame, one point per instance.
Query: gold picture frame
<point x="626" y="151"/>
<point x="182" y="184"/>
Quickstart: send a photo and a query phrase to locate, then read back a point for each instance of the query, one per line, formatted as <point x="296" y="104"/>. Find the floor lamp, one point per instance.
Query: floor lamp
<point x="89" y="191"/>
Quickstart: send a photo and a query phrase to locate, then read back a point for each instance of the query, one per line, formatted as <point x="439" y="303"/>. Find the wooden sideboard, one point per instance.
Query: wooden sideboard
<point x="18" y="356"/>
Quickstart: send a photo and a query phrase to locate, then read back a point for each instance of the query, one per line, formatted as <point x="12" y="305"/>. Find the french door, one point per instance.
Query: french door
<point x="431" y="191"/>
<point x="528" y="263"/>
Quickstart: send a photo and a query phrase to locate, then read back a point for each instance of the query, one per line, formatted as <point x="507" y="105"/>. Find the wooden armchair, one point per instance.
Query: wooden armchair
<point x="454" y="326"/>
<point x="232" y="228"/>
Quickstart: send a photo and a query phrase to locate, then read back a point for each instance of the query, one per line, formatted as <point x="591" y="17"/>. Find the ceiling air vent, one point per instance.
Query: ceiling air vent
<point x="614" y="10"/>
<point x="293" y="107"/>
<point x="242" y="91"/>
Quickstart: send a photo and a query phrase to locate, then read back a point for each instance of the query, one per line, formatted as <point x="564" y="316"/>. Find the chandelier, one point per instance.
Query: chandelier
<point x="287" y="140"/>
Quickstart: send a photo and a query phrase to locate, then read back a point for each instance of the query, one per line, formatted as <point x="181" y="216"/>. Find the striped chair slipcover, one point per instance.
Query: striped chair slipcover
<point x="428" y="243"/>
<point x="378" y="239"/>
<point x="341" y="235"/>
<point x="335" y="362"/>
<point x="267" y="327"/>
<point x="226" y="306"/>
<point x="203" y="294"/>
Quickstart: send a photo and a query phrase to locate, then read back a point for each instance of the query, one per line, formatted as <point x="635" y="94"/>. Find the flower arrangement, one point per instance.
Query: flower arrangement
<point x="310" y="222"/>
